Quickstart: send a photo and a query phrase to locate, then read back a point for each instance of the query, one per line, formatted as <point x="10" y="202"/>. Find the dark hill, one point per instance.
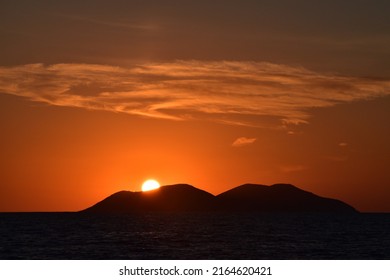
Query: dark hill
<point x="245" y="198"/>
<point x="278" y="198"/>
<point x="174" y="198"/>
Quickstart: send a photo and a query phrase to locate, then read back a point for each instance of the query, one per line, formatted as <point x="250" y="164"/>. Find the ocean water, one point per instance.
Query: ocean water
<point x="194" y="236"/>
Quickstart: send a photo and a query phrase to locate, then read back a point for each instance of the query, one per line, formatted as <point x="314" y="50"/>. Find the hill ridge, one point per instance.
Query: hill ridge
<point x="244" y="198"/>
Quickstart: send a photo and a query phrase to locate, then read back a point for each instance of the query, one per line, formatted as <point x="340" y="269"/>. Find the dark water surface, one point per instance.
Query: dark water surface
<point x="194" y="236"/>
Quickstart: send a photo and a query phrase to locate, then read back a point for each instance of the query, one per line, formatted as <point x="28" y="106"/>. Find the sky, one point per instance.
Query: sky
<point x="99" y="96"/>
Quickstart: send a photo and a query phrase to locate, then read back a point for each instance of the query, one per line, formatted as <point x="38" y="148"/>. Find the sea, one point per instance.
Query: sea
<point x="194" y="236"/>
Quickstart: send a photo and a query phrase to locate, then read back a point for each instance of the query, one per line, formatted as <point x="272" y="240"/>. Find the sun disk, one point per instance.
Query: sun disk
<point x="150" y="185"/>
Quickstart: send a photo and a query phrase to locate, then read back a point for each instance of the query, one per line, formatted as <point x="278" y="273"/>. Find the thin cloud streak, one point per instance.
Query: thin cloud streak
<point x="232" y="92"/>
<point x="243" y="141"/>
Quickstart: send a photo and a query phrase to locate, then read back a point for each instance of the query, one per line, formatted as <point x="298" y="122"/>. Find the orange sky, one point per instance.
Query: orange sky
<point x="97" y="100"/>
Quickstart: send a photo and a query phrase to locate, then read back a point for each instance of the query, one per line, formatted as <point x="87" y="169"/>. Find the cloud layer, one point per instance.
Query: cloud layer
<point x="233" y="92"/>
<point x="243" y="141"/>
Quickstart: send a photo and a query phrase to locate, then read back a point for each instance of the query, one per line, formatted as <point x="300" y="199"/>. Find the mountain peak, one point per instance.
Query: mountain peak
<point x="171" y="198"/>
<point x="278" y="198"/>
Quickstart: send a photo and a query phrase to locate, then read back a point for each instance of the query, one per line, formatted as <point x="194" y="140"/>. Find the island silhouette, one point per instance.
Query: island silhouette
<point x="284" y="198"/>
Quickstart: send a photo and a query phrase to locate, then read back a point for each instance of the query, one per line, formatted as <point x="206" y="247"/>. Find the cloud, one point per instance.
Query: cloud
<point x="231" y="92"/>
<point x="243" y="141"/>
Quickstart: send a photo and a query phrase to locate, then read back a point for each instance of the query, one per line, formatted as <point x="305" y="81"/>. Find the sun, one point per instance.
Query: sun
<point x="149" y="185"/>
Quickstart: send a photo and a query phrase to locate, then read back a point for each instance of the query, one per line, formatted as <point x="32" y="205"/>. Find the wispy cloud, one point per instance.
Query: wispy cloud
<point x="233" y="92"/>
<point x="243" y="141"/>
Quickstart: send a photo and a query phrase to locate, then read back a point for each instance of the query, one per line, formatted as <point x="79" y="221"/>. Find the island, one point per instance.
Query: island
<point x="283" y="198"/>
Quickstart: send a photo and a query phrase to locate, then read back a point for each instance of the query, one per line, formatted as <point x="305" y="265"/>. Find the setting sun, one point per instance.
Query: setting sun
<point x="150" y="185"/>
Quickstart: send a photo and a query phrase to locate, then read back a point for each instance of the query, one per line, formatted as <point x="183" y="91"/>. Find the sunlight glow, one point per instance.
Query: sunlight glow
<point x="149" y="185"/>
